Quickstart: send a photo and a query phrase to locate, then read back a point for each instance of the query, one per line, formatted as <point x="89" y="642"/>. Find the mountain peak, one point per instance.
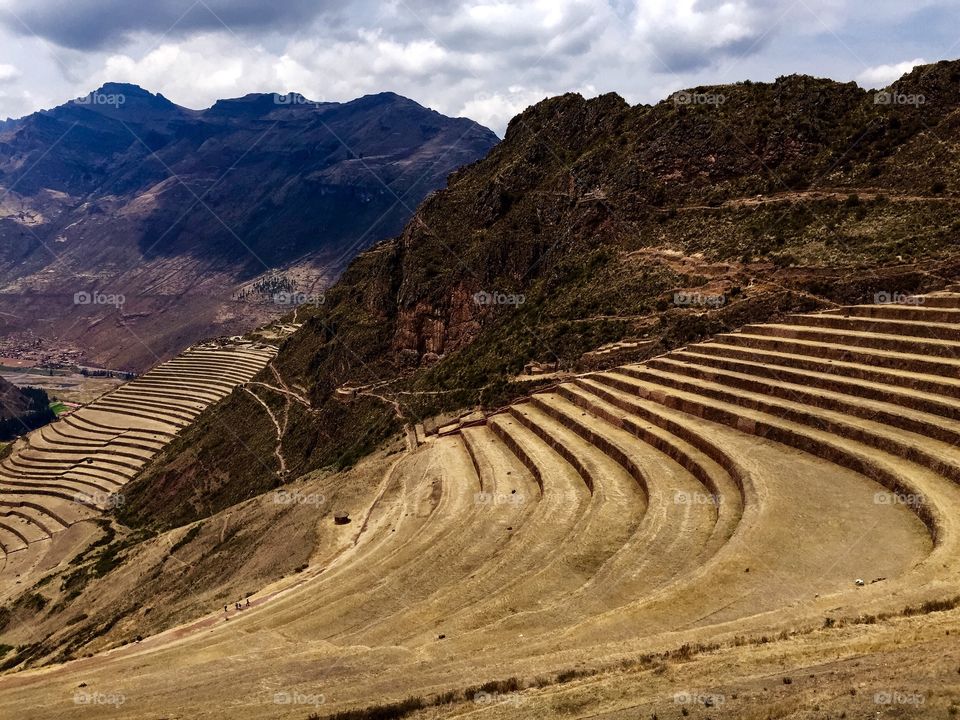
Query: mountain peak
<point x="121" y="87"/>
<point x="382" y="98"/>
<point x="132" y="92"/>
<point x="258" y="104"/>
<point x="114" y="95"/>
<point x="934" y="88"/>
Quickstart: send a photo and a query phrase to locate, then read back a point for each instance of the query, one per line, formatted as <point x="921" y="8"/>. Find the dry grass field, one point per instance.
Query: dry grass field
<point x="765" y="525"/>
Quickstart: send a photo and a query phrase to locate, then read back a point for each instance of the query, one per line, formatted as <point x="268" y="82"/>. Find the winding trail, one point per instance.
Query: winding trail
<point x="278" y="449"/>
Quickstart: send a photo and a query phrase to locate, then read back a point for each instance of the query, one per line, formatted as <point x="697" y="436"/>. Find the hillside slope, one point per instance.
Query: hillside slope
<point x="22" y="409"/>
<point x="778" y="506"/>
<point x="659" y="224"/>
<point x="125" y="193"/>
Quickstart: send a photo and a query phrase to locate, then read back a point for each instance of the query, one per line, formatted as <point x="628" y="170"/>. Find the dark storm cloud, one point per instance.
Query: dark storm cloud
<point x="675" y="57"/>
<point x="90" y="24"/>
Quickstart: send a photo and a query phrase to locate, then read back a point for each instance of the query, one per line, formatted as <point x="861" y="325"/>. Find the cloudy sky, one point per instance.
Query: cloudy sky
<point x="483" y="59"/>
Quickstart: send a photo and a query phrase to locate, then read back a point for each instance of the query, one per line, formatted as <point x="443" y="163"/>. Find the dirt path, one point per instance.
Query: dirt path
<point x="807" y="195"/>
<point x="283" y="389"/>
<point x="278" y="450"/>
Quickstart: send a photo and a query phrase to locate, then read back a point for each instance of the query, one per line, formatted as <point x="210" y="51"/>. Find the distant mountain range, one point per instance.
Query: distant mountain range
<point x="122" y="195"/>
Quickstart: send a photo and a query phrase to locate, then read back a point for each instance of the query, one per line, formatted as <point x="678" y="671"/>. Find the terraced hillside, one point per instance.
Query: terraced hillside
<point x="617" y="225"/>
<point x="747" y="487"/>
<point x="72" y="470"/>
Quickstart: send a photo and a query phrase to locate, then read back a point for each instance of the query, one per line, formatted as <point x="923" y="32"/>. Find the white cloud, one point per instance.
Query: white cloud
<point x="883" y="75"/>
<point x="197" y="71"/>
<point x="17" y="103"/>
<point x="8" y="73"/>
<point x="416" y="59"/>
<point x="495" y="111"/>
<point x="685" y="33"/>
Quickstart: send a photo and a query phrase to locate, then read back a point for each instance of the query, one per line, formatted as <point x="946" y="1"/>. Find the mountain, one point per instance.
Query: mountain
<point x="161" y="217"/>
<point x="596" y="223"/>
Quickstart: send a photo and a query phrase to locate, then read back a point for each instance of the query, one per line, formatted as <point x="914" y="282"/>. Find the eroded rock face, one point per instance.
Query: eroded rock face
<point x="439" y="328"/>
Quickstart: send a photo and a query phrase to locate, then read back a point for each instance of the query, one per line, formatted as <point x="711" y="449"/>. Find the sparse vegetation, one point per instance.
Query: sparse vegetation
<point x="187" y="538"/>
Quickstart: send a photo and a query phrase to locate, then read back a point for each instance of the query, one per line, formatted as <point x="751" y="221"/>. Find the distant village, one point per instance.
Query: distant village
<point x="27" y="351"/>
